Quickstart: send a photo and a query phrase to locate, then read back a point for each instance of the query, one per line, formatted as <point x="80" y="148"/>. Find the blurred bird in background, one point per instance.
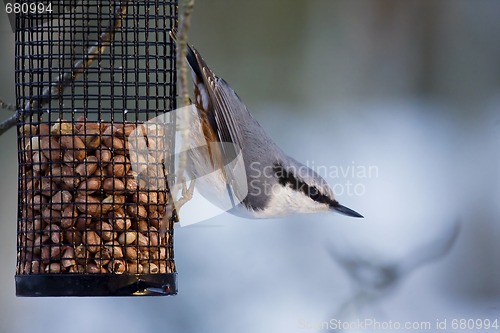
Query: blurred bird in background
<point x="373" y="277"/>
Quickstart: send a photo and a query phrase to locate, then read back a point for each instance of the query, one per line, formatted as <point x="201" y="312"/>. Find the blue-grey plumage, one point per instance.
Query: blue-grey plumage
<point x="277" y="184"/>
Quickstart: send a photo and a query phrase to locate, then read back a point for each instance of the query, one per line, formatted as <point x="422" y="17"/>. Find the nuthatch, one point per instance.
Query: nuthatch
<point x="275" y="184"/>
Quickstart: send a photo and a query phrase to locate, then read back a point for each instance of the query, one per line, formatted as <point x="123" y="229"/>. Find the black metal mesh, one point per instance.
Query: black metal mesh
<point x="89" y="224"/>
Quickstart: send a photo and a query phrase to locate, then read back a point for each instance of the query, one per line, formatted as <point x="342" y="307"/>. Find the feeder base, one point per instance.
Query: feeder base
<point x="43" y="285"/>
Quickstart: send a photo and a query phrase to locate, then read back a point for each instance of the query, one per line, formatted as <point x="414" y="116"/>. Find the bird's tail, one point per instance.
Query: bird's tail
<point x="191" y="57"/>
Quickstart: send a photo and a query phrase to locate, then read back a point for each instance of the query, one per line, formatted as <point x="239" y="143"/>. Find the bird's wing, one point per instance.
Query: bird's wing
<point x="220" y="98"/>
<point x="217" y="103"/>
<point x="223" y="106"/>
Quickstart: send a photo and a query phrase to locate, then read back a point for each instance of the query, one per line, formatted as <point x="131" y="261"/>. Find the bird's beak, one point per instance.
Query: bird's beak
<point x="344" y="210"/>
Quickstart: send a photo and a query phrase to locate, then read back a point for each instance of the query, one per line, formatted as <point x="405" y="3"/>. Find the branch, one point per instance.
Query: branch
<point x="7" y="106"/>
<point x="57" y="87"/>
<point x="181" y="41"/>
<point x="8" y="123"/>
<point x="182" y="35"/>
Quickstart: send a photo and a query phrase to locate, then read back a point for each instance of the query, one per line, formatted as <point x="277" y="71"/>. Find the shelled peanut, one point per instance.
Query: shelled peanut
<point x="84" y="209"/>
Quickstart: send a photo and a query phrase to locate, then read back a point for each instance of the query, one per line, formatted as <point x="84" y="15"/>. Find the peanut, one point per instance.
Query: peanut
<point x="54" y="232"/>
<point x="133" y="267"/>
<point x="88" y="205"/>
<point x="92" y="268"/>
<point x="112" y="202"/>
<point x="32" y="143"/>
<point x="28" y="130"/>
<point x="68" y="257"/>
<point x="61" y="127"/>
<point x="118" y="166"/>
<point x="105" y="230"/>
<point x="111" y="140"/>
<point x="54" y="267"/>
<point x="75" y="146"/>
<point x="142" y="225"/>
<point x="38" y="202"/>
<point x="137" y="211"/>
<point x="117" y="266"/>
<point x="47" y="187"/>
<point x="150" y="268"/>
<point x="127" y="237"/>
<point x="68" y="216"/>
<point x="51" y="149"/>
<point x="60" y="200"/>
<point x="119" y="221"/>
<point x="154" y="237"/>
<point x="131" y="253"/>
<point x="114" y="185"/>
<point x="91" y="138"/>
<point x="63" y="176"/>
<point x="103" y="258"/>
<point x="72" y="237"/>
<point x="92" y="240"/>
<point x="114" y="249"/>
<point x="87" y="167"/>
<point x="82" y="221"/>
<point x="89" y="186"/>
<point x="40" y="162"/>
<point x="103" y="155"/>
<point x="51" y="216"/>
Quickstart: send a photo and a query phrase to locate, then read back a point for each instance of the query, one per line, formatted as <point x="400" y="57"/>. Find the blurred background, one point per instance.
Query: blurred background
<point x="406" y="89"/>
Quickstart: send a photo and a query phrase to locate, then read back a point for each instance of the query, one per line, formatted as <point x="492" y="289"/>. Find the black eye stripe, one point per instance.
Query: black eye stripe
<point x="285" y="178"/>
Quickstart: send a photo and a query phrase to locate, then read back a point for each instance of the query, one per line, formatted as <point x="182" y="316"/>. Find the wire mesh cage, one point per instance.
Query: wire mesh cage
<point x="88" y="75"/>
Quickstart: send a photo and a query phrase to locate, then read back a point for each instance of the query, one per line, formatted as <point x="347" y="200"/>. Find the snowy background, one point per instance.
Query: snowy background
<point x="408" y="87"/>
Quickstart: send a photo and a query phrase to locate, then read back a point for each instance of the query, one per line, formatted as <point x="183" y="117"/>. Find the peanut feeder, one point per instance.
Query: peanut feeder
<point x="88" y="223"/>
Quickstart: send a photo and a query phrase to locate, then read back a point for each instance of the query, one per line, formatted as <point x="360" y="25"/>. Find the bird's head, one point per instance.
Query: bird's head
<point x="307" y="189"/>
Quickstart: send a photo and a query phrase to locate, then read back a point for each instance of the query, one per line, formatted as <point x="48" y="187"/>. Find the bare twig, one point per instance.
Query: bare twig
<point x="8" y="123"/>
<point x="181" y="41"/>
<point x="57" y="87"/>
<point x="7" y="106"/>
<point x="182" y="36"/>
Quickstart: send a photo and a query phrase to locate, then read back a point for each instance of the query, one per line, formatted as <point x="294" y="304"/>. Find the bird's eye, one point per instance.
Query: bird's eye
<point x="313" y="192"/>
